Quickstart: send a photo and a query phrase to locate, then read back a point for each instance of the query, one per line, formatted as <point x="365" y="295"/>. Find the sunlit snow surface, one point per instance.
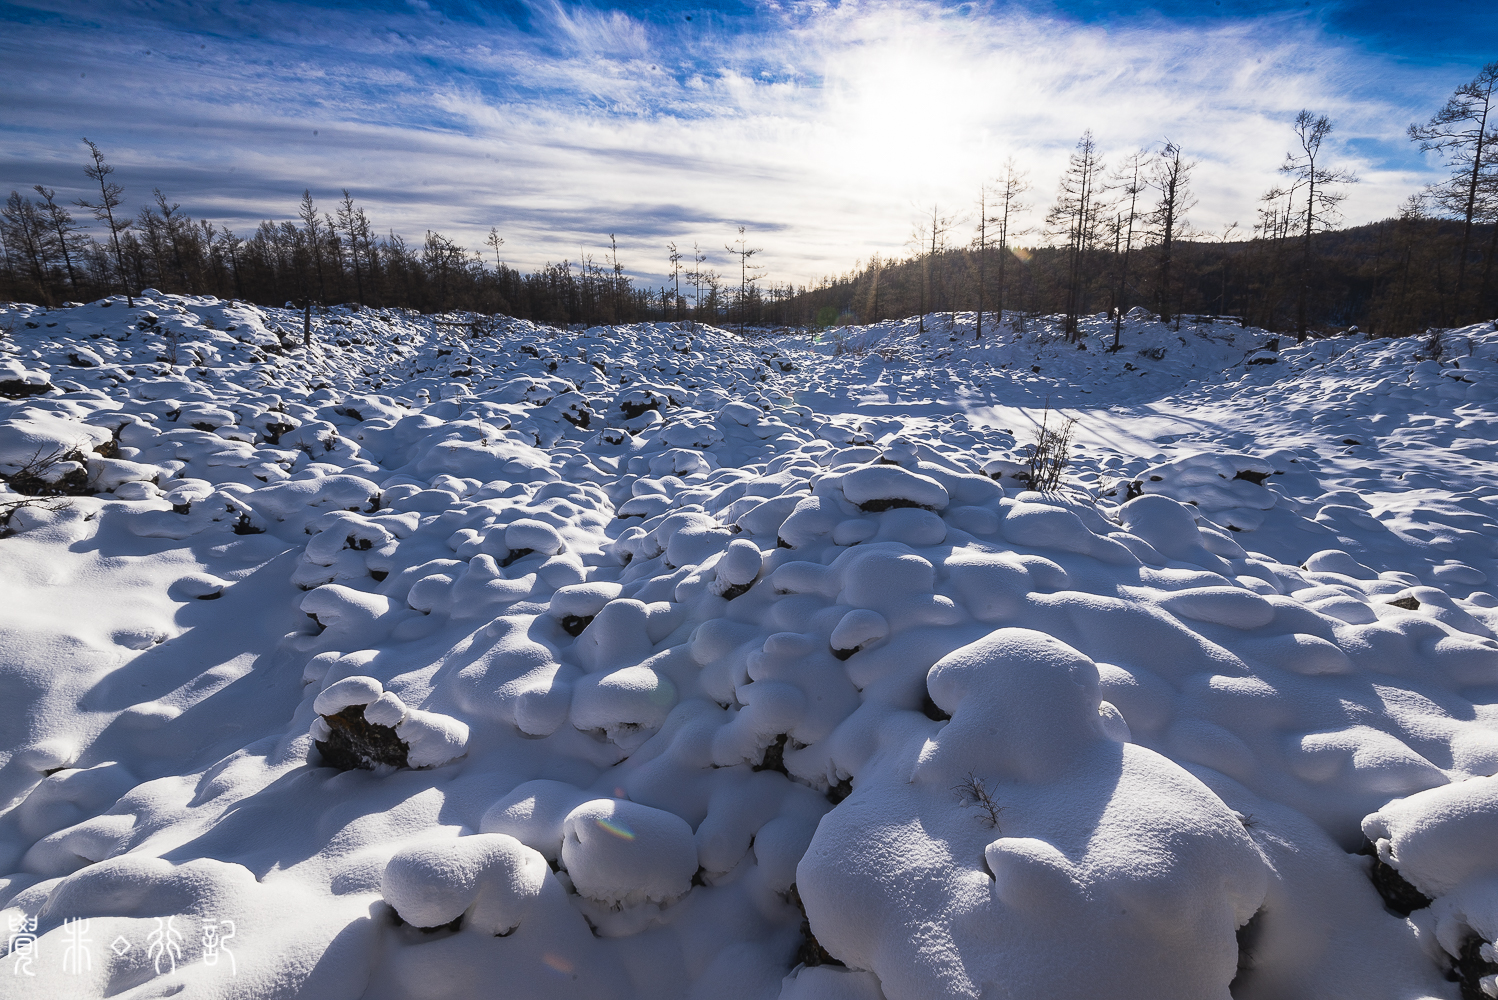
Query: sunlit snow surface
<point x="834" y="671"/>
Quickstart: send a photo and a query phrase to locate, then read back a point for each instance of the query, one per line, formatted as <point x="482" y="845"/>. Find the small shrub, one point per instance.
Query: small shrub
<point x="38" y="477"/>
<point x="1050" y="454"/>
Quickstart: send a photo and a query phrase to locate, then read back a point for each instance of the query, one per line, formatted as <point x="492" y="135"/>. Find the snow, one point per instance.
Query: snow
<point x="649" y="662"/>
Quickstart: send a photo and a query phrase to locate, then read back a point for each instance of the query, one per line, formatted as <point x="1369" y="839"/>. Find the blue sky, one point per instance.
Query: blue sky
<point x="821" y="126"/>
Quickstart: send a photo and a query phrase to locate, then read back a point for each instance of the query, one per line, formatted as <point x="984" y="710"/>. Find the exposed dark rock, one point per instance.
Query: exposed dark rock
<point x="14" y="388"/>
<point x="1399" y="895"/>
<point x="357" y="744"/>
<point x="811" y="952"/>
<point x="932" y="711"/>
<point x="1257" y="478"/>
<point x="514" y="555"/>
<point x="453" y="925"/>
<point x="244" y="526"/>
<point x="774" y="759"/>
<point x="632" y="409"/>
<point x="888" y="503"/>
<point x="273" y="432"/>
<point x="1470" y="967"/>
<point x="1407" y="602"/>
<point x="1248" y="939"/>
<point x="574" y="624"/>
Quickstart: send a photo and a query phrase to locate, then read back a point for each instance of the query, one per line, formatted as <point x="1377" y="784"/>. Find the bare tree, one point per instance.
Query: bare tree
<point x="312" y="227"/>
<point x="616" y="279"/>
<point x="27" y="235"/>
<point x="1076" y="218"/>
<point x="930" y="240"/>
<point x="348" y="225"/>
<point x="65" y="232"/>
<point x="110" y="197"/>
<point x="1228" y="235"/>
<point x="1130" y="182"/>
<point x="748" y="274"/>
<point x="1012" y="186"/>
<point x="1170" y="176"/>
<point x="982" y="243"/>
<point x="230" y="246"/>
<point x="1486" y="212"/>
<point x="675" y="258"/>
<point x="494" y="241"/>
<point x="696" y="277"/>
<point x="1464" y="130"/>
<point x="877" y="264"/>
<point x="172" y="223"/>
<point x="1321" y="198"/>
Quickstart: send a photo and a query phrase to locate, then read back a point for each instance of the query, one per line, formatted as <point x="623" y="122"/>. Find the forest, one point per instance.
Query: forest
<point x="1117" y="236"/>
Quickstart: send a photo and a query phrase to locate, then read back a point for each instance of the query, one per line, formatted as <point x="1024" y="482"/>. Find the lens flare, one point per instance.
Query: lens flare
<point x="615" y="827"/>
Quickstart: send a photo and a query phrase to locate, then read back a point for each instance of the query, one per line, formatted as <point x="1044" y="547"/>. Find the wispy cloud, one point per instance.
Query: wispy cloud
<point x="819" y="126"/>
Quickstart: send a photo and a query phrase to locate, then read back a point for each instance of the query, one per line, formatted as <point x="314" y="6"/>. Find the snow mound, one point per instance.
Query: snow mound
<point x="1020" y="827"/>
<point x="654" y="662"/>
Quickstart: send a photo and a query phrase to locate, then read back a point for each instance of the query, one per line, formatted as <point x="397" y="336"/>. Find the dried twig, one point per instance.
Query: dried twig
<point x="973" y="790"/>
<point x="10" y="507"/>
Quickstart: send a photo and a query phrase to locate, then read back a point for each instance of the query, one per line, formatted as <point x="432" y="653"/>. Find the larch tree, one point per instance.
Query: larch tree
<point x="172" y="229"/>
<point x="674" y="256"/>
<point x="65" y="232"/>
<point x="982" y="244"/>
<point x="1130" y="183"/>
<point x="312" y="229"/>
<point x="749" y="273"/>
<point x="695" y="277"/>
<point x="996" y="219"/>
<point x="1076" y="218"/>
<point x="28" y="237"/>
<point x="110" y="197"/>
<point x="348" y="226"/>
<point x="876" y="265"/>
<point x="1486" y="212"/>
<point x="1170" y="176"/>
<point x="231" y="246"/>
<point x="1466" y="131"/>
<point x="616" y="279"/>
<point x="1321" y="184"/>
<point x="930" y="237"/>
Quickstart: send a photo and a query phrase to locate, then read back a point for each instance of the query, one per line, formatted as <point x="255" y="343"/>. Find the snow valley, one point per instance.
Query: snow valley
<point x="651" y="662"/>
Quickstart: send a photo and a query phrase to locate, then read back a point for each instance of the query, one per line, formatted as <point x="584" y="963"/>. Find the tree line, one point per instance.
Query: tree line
<point x="1118" y="238"/>
<point x="47" y="256"/>
<point x="1115" y="237"/>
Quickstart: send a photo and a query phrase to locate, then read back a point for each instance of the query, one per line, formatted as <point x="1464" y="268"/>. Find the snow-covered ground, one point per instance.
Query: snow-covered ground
<point x="644" y="662"/>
